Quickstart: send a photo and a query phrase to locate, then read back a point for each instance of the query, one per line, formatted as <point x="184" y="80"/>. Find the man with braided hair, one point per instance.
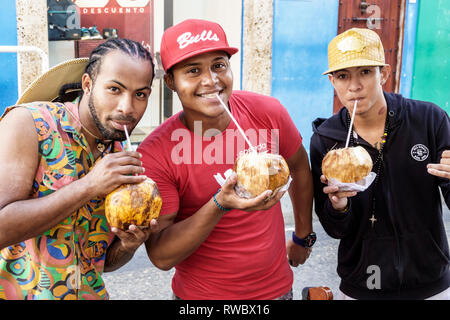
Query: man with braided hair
<point x="58" y="161"/>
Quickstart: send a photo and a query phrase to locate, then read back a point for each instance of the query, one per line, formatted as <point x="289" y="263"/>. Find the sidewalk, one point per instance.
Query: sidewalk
<point x="140" y="280"/>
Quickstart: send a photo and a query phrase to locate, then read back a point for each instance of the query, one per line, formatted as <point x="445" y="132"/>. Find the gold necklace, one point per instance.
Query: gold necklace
<point x="101" y="146"/>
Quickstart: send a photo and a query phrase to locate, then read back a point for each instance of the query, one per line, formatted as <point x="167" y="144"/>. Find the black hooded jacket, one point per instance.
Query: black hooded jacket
<point x="405" y="253"/>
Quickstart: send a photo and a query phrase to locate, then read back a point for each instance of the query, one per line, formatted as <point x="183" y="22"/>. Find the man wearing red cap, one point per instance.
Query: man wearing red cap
<point x="222" y="246"/>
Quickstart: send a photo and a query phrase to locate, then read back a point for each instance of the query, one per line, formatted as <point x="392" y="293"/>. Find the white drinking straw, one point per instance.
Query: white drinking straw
<point x="235" y="122"/>
<point x="128" y="139"/>
<point x="128" y="142"/>
<point x="351" y="124"/>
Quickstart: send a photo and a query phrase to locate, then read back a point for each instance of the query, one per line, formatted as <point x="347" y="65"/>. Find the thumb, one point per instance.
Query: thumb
<point x="337" y="200"/>
<point x="230" y="182"/>
<point x="338" y="203"/>
<point x="154" y="226"/>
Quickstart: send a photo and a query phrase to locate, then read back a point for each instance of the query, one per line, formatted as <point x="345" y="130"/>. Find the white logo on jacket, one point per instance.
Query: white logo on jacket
<point x="187" y="38"/>
<point x="420" y="152"/>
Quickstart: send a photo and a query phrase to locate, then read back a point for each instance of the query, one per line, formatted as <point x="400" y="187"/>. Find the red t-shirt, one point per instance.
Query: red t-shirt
<point x="244" y="257"/>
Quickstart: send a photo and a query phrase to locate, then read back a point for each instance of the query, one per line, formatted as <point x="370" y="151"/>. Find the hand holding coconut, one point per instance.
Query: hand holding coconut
<point x="338" y="198"/>
<point x="346" y="171"/>
<point x="131" y="199"/>
<point x="133" y="205"/>
<point x="114" y="170"/>
<point x="110" y="176"/>
<point x="131" y="210"/>
<point x="259" y="175"/>
<point x="228" y="198"/>
<point x="260" y="171"/>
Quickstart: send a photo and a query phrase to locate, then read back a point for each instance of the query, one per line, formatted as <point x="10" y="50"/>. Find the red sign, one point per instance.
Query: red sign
<point x="133" y="19"/>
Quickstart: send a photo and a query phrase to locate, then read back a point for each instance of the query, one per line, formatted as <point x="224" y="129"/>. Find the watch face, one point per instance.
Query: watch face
<point x="310" y="240"/>
<point x="306" y="242"/>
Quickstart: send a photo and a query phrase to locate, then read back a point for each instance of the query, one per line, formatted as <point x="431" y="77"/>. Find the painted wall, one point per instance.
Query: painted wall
<point x="409" y="43"/>
<point x="8" y="61"/>
<point x="431" y="74"/>
<point x="301" y="33"/>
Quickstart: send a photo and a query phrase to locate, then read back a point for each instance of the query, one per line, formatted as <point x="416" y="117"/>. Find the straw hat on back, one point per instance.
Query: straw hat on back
<point x="46" y="87"/>
<point x="355" y="47"/>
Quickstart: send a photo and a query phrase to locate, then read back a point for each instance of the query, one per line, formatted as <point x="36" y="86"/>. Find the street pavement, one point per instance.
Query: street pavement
<point x="140" y="280"/>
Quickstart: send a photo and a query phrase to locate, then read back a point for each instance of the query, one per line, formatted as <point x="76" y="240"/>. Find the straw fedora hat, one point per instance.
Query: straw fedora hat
<point x="355" y="47"/>
<point x="46" y="87"/>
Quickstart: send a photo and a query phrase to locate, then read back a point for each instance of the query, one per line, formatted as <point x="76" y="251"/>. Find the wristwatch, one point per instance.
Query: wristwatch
<point x="306" y="242"/>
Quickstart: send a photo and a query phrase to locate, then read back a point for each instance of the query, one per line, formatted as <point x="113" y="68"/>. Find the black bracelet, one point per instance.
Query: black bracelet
<point x="217" y="204"/>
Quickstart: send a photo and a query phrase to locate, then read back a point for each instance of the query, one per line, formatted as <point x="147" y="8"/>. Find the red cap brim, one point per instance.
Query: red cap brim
<point x="230" y="50"/>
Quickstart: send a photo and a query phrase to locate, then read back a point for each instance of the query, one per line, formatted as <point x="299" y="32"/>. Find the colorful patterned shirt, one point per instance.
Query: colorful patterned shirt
<point x="67" y="261"/>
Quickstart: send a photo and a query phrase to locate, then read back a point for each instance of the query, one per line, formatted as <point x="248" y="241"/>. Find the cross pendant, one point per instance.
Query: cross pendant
<point x="372" y="219"/>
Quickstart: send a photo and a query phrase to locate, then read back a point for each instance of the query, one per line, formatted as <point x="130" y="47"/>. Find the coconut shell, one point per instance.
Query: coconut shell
<point x="134" y="204"/>
<point x="258" y="172"/>
<point x="347" y="164"/>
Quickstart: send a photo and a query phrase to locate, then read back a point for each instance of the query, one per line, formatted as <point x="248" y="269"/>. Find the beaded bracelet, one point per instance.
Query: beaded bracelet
<point x="217" y="204"/>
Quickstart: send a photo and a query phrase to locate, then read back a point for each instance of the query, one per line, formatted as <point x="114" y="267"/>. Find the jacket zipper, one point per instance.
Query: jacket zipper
<point x="397" y="240"/>
<point x="388" y="204"/>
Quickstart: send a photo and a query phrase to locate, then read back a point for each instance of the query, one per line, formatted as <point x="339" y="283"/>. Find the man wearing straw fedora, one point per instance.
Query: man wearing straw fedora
<point x="61" y="154"/>
<point x="393" y="243"/>
<point x="221" y="245"/>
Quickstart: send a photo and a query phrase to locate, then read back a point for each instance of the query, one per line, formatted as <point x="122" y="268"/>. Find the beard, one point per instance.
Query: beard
<point x="107" y="133"/>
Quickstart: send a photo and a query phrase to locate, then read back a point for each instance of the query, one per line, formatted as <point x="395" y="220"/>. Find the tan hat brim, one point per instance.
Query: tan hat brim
<point x="46" y="87"/>
<point x="355" y="63"/>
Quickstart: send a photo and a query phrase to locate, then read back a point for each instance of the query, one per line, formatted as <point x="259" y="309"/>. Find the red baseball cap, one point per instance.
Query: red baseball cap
<point x="190" y="38"/>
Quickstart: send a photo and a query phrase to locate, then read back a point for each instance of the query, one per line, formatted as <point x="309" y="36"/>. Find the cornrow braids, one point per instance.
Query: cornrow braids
<point x="69" y="92"/>
<point x="129" y="47"/>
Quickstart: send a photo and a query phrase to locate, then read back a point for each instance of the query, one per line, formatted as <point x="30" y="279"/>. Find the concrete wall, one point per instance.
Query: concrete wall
<point x="32" y="30"/>
<point x="257" y="46"/>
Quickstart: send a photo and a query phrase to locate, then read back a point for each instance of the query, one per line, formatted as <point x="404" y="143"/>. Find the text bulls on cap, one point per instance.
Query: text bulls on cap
<point x="187" y="38"/>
